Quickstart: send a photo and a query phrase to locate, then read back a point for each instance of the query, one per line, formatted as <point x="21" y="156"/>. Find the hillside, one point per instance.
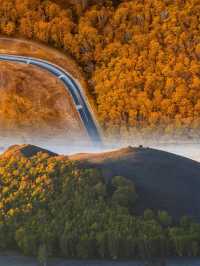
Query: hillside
<point x="35" y="105"/>
<point x="27" y="151"/>
<point x="163" y="180"/>
<point x="79" y="206"/>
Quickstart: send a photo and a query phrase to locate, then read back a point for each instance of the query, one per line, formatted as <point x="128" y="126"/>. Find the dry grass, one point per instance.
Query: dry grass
<point x="33" y="103"/>
<point x="29" y="48"/>
<point x="164" y="181"/>
<point x="39" y="50"/>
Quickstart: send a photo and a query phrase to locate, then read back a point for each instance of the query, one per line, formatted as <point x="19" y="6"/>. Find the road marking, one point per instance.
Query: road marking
<point x="79" y="107"/>
<point x="70" y="84"/>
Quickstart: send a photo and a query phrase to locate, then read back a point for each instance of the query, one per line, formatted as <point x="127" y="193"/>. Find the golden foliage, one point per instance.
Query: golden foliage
<point x="141" y="57"/>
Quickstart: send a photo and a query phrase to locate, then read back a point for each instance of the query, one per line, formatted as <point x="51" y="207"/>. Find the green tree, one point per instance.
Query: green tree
<point x="42" y="255"/>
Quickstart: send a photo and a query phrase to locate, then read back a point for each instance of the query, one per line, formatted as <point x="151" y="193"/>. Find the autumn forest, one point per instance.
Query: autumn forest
<point x="49" y="206"/>
<point x="140" y="57"/>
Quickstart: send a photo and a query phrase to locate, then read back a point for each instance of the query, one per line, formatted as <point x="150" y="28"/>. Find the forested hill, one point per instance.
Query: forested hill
<point x="141" y="58"/>
<point x="51" y="206"/>
<point x="25" y="150"/>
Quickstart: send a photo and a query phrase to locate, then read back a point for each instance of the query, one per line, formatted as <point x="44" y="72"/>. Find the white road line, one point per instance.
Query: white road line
<point x="70" y="84"/>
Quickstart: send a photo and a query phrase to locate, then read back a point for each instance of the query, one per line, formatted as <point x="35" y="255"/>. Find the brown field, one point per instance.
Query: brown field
<point x="39" y="50"/>
<point x="29" y="48"/>
<point x="33" y="104"/>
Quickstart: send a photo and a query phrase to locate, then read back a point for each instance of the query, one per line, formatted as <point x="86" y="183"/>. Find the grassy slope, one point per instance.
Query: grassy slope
<point x="163" y="180"/>
<point x="34" y="103"/>
<point x="39" y="50"/>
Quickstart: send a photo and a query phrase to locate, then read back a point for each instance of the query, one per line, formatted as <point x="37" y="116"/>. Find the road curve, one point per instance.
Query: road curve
<point x="70" y="84"/>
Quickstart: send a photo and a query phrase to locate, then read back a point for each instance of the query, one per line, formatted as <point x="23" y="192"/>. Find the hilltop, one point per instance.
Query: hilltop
<point x="25" y="150"/>
<point x="163" y="180"/>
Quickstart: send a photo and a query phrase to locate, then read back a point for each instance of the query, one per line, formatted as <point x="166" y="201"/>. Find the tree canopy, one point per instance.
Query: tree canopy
<point x="141" y="58"/>
<point x="51" y="207"/>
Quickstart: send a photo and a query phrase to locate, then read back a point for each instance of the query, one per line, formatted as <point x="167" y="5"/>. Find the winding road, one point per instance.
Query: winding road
<point x="71" y="85"/>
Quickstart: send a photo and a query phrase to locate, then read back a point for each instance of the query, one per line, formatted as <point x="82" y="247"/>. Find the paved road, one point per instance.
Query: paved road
<point x="70" y="84"/>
